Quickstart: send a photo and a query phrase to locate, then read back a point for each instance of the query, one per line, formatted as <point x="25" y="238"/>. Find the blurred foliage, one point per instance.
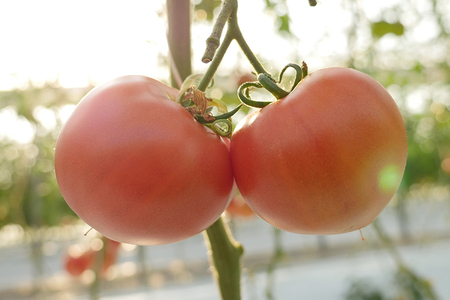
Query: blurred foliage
<point x="205" y="10"/>
<point x="208" y="7"/>
<point x="282" y="15"/>
<point x="406" y="285"/>
<point x="29" y="194"/>
<point x="364" y="290"/>
<point x="382" y="28"/>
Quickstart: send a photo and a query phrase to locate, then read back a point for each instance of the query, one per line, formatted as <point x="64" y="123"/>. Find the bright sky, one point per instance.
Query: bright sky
<point x="96" y="40"/>
<point x="77" y="40"/>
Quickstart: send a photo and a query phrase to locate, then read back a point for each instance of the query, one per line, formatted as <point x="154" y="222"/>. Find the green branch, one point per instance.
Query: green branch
<point x="228" y="15"/>
<point x="224" y="254"/>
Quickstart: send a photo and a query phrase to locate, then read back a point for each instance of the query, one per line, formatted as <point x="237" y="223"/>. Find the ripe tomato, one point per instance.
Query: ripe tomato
<point x="76" y="262"/>
<point x="326" y="159"/>
<point x="246" y="77"/>
<point x="138" y="168"/>
<point x="75" y="265"/>
<point x="239" y="208"/>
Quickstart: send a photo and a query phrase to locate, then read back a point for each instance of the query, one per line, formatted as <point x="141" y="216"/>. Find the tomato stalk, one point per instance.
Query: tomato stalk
<point x="228" y="15"/>
<point x="179" y="40"/>
<point x="423" y="286"/>
<point x="224" y="254"/>
<point x="94" y="288"/>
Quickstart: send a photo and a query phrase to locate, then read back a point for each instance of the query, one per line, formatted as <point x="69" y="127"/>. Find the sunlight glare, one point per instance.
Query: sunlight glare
<point x="14" y="127"/>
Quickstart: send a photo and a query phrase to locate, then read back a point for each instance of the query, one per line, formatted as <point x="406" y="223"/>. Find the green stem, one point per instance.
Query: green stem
<point x="227" y="15"/>
<point x="224" y="254"/>
<point x="215" y="62"/>
<point x="213" y="42"/>
<point x="276" y="258"/>
<point x="413" y="281"/>
<point x="234" y="27"/>
<point x="99" y="257"/>
<point x="387" y="242"/>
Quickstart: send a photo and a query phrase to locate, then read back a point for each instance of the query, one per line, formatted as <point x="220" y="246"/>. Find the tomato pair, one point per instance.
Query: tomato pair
<point x="137" y="167"/>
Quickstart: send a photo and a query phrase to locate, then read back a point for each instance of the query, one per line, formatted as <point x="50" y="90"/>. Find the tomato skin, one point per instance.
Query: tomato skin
<point x="138" y="168"/>
<point x="326" y="159"/>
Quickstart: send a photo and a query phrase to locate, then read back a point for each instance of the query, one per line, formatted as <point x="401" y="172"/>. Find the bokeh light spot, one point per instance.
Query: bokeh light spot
<point x="389" y="178"/>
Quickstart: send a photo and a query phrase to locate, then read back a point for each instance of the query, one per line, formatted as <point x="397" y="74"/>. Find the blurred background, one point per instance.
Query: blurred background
<point x="53" y="52"/>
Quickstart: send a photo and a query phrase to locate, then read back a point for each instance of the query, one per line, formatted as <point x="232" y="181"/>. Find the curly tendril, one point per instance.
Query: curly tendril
<point x="224" y="116"/>
<point x="299" y="72"/>
<point x="222" y="127"/>
<point x="244" y="95"/>
<point x="271" y="85"/>
<point x="266" y="81"/>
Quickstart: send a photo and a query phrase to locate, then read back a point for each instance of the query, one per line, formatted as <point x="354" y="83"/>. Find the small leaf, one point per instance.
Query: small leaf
<point x="381" y="28"/>
<point x="284" y="23"/>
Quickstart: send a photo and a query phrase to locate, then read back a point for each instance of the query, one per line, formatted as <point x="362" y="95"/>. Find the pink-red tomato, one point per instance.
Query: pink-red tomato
<point x="246" y="77"/>
<point x="326" y="159"/>
<point x="76" y="264"/>
<point x="238" y="208"/>
<point x="138" y="168"/>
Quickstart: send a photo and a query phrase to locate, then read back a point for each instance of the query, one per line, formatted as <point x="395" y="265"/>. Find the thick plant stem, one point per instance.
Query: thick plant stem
<point x="213" y="42"/>
<point x="179" y="39"/>
<point x="224" y="254"/>
<point x="215" y="63"/>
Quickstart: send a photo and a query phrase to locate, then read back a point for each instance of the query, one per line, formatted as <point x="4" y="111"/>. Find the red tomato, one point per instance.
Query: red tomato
<point x="326" y="159"/>
<point x="246" y="77"/>
<point x="138" y="168"/>
<point x="77" y="264"/>
<point x="238" y="208"/>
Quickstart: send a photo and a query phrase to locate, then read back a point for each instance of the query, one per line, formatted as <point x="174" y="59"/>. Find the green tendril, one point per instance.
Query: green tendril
<point x="222" y="127"/>
<point x="271" y="85"/>
<point x="224" y="116"/>
<point x="244" y="95"/>
<point x="298" y="74"/>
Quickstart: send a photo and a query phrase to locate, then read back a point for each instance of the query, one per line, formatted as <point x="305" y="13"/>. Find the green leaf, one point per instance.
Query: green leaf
<point x="283" y="20"/>
<point x="284" y="23"/>
<point x="382" y="28"/>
